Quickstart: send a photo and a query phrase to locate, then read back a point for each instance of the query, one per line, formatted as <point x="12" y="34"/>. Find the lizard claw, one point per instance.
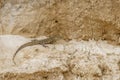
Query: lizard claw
<point x="45" y="46"/>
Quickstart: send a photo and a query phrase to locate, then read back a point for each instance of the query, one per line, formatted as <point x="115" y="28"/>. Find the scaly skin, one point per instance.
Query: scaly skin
<point x="49" y="40"/>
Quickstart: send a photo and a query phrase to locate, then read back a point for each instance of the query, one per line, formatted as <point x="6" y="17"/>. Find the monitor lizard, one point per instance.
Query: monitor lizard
<point x="49" y="40"/>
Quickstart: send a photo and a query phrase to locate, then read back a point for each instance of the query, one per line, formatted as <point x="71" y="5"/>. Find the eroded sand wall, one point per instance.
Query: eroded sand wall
<point x="95" y="21"/>
<point x="73" y="19"/>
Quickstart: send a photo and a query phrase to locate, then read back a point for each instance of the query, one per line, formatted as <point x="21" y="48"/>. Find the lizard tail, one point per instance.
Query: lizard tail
<point x="23" y="46"/>
<point x="14" y="56"/>
<point x="16" y="53"/>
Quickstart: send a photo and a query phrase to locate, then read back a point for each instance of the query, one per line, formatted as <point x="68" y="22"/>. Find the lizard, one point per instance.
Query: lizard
<point x="49" y="40"/>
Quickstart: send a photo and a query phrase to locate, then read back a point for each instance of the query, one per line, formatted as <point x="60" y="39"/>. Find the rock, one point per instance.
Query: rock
<point x="71" y="60"/>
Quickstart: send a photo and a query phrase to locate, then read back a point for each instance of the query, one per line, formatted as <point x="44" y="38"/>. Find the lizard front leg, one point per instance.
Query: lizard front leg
<point x="44" y="45"/>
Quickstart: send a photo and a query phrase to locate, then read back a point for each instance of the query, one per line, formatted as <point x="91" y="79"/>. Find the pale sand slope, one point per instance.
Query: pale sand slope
<point x="84" y="60"/>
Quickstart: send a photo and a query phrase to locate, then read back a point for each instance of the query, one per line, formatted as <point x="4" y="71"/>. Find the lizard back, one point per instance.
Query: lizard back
<point x="36" y="42"/>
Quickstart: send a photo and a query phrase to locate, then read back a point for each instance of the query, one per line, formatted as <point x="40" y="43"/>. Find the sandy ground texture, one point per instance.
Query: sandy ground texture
<point x="73" y="19"/>
<point x="83" y="60"/>
<point x="82" y="56"/>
